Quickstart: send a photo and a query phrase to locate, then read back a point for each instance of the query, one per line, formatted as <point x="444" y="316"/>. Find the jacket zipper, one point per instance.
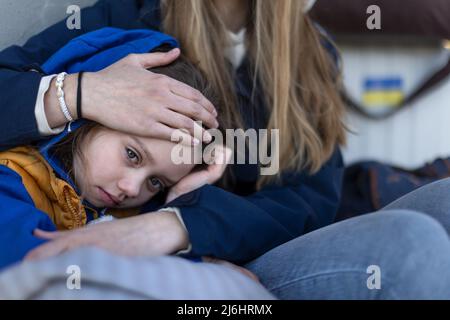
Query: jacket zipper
<point x="74" y="211"/>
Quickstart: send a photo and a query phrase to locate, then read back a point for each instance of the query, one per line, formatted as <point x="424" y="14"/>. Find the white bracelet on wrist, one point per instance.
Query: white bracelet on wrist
<point x="60" y="93"/>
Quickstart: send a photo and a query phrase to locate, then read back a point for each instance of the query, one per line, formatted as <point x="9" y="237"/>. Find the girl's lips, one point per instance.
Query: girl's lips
<point x="108" y="199"/>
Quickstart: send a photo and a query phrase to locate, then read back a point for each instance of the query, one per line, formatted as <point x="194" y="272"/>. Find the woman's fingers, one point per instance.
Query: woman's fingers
<point x="183" y="90"/>
<point x="47" y="250"/>
<point x="161" y="131"/>
<point x="218" y="160"/>
<point x="47" y="234"/>
<point x="156" y="59"/>
<point x="192" y="103"/>
<point x="60" y="241"/>
<point x="177" y="120"/>
<point x="218" y="155"/>
<point x="128" y="98"/>
<point x="192" y="181"/>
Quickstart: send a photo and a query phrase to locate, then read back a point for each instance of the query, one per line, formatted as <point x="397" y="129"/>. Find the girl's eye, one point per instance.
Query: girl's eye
<point x="132" y="155"/>
<point x="156" y="183"/>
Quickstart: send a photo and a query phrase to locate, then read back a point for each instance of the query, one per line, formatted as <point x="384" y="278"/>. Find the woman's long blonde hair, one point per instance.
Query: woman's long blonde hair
<point x="297" y="75"/>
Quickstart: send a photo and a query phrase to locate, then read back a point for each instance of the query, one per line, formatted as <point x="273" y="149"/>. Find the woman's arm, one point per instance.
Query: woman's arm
<point x="152" y="234"/>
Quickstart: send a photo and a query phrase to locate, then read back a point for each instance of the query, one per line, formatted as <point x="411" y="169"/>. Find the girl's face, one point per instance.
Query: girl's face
<point x="125" y="171"/>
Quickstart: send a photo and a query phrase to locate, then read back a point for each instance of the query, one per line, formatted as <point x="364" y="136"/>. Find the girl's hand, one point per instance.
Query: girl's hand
<point x="217" y="164"/>
<point x="155" y="233"/>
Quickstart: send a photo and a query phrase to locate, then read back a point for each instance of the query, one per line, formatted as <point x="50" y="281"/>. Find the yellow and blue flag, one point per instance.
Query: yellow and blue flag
<point x="383" y="92"/>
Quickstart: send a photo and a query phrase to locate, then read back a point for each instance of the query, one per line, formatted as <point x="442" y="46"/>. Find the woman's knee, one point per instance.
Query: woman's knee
<point x="390" y="236"/>
<point x="411" y="250"/>
<point x="432" y="199"/>
<point x="441" y="185"/>
<point x="409" y="229"/>
<point x="411" y="223"/>
<point x="416" y="259"/>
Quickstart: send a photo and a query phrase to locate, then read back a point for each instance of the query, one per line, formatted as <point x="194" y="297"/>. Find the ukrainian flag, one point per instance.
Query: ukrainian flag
<point x="383" y="92"/>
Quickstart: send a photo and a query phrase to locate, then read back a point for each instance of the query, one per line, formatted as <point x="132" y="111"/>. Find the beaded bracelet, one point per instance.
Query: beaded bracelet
<point x="60" y="93"/>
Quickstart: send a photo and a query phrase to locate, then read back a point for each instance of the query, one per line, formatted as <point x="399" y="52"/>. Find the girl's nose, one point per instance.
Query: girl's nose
<point x="130" y="187"/>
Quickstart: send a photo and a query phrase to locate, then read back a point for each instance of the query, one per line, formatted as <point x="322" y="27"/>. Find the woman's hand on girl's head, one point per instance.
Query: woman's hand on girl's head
<point x="155" y="233"/>
<point x="216" y="165"/>
<point x="127" y="97"/>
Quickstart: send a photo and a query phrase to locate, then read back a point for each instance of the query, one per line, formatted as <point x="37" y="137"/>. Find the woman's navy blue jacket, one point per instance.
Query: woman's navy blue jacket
<point x="237" y="226"/>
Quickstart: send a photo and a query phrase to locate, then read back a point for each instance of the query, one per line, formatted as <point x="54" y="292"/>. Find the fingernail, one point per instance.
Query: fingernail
<point x="195" y="141"/>
<point x="215" y="113"/>
<point x="207" y="136"/>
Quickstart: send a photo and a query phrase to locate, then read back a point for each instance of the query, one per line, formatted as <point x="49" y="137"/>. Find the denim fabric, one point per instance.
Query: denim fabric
<point x="408" y="240"/>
